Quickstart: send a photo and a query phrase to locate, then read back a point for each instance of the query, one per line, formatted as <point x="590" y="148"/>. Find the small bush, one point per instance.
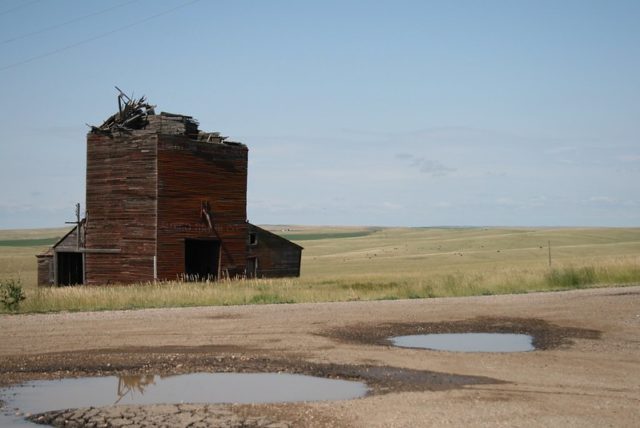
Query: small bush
<point x="571" y="277"/>
<point x="265" y="298"/>
<point x="414" y="295"/>
<point x="11" y="294"/>
<point x="369" y="286"/>
<point x="428" y="292"/>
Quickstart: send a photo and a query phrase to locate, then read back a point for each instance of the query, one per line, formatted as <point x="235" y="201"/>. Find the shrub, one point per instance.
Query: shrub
<point x="11" y="294"/>
<point x="266" y="298"/>
<point x="572" y="277"/>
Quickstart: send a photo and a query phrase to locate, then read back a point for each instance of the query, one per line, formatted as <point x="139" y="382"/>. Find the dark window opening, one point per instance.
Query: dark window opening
<point x="253" y="238"/>
<point x="70" y="269"/>
<point x="201" y="259"/>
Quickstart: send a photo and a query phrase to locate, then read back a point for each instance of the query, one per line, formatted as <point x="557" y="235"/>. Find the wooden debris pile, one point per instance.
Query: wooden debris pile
<point x="132" y="114"/>
<point x="173" y="124"/>
<point x="136" y="114"/>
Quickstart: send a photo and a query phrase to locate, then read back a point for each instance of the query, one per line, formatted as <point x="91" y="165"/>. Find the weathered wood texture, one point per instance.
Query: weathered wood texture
<point x="276" y="256"/>
<point x="148" y="190"/>
<point x="121" y="206"/>
<point x="169" y="124"/>
<point x="46" y="260"/>
<point x="69" y="242"/>
<point x="45" y="269"/>
<point x="190" y="173"/>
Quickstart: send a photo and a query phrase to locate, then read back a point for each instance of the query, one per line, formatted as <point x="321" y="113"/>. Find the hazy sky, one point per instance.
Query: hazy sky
<point x="409" y="113"/>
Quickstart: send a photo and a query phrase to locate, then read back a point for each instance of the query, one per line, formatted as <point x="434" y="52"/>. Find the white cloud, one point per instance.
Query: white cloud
<point x="430" y="167"/>
<point x="602" y="200"/>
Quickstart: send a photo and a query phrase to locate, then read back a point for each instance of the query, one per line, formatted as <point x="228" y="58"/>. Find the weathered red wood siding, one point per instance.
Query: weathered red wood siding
<point x="121" y="205"/>
<point x="276" y="256"/>
<point x="190" y="172"/>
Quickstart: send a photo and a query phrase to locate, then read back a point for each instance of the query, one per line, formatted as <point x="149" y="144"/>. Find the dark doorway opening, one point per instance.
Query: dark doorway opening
<point x="201" y="259"/>
<point x="252" y="267"/>
<point x="70" y="268"/>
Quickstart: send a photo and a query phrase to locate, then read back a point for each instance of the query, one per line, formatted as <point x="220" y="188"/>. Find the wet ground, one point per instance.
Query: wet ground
<point x="466" y="342"/>
<point x="545" y="335"/>
<point x="586" y="371"/>
<point x="380" y="379"/>
<point x="38" y="398"/>
<point x="138" y="365"/>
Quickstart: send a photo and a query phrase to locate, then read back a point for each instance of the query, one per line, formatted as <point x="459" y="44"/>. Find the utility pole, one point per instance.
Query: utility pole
<point x="77" y="223"/>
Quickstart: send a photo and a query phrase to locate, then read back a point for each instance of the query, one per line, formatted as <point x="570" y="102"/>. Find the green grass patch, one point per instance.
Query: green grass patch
<point x="571" y="277"/>
<point x="265" y="299"/>
<point x="369" y="286"/>
<point x="317" y="236"/>
<point x="36" y="242"/>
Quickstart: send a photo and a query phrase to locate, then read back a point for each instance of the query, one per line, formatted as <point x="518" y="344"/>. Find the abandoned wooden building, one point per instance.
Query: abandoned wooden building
<point x="164" y="201"/>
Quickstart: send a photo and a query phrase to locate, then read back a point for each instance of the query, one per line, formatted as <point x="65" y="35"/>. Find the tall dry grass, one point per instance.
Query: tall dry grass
<point x="381" y="264"/>
<point x="300" y="290"/>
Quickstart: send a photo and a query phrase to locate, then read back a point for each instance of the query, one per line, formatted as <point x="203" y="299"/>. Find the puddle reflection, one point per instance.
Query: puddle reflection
<point x="467" y="342"/>
<point x="209" y="388"/>
<point x="129" y="385"/>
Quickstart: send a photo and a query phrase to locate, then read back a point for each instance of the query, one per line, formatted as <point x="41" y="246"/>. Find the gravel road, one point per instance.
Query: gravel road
<point x="586" y="371"/>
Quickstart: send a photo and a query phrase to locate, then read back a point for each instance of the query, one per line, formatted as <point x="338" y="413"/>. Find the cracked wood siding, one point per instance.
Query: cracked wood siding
<point x="121" y="207"/>
<point x="191" y="172"/>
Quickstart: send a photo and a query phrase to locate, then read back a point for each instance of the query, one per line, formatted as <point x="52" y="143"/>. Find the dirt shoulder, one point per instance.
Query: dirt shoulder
<point x="585" y="373"/>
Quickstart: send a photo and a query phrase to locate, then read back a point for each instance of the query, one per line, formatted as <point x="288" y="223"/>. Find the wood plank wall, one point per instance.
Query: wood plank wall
<point x="277" y="257"/>
<point x="70" y="241"/>
<point x="121" y="207"/>
<point x="45" y="269"/>
<point x="191" y="172"/>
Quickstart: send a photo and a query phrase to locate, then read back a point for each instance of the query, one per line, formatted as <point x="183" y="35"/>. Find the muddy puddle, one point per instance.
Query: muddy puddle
<point x="97" y="378"/>
<point x="211" y="388"/>
<point x="467" y="342"/>
<point x="543" y="334"/>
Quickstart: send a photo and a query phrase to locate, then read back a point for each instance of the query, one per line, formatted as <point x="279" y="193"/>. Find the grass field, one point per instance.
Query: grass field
<point x="353" y="263"/>
<point x="18" y="249"/>
<point x="36" y="242"/>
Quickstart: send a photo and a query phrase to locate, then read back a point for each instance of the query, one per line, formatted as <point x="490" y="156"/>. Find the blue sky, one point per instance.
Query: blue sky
<point x="407" y="113"/>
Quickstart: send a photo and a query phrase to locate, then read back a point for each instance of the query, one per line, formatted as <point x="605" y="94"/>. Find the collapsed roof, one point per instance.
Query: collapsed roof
<point x="132" y="114"/>
<point x="136" y="114"/>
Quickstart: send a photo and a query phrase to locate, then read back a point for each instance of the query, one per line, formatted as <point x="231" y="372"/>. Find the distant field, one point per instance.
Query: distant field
<point x="399" y="253"/>
<point x="363" y="263"/>
<point x="325" y="235"/>
<point x="19" y="234"/>
<point x="18" y="249"/>
<point x="36" y="242"/>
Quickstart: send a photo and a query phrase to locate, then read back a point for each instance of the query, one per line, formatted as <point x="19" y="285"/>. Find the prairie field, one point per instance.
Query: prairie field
<point x="18" y="249"/>
<point x="367" y="263"/>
